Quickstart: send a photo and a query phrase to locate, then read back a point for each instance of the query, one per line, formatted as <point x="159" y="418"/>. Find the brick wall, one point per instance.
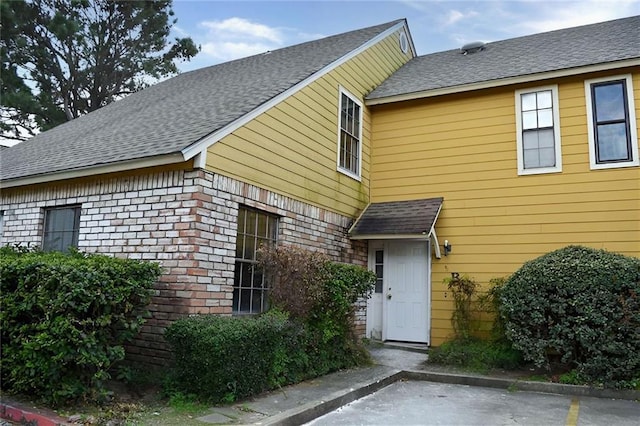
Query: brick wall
<point x="186" y="221"/>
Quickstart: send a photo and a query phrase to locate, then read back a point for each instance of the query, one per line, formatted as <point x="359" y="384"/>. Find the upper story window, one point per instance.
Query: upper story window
<point x="613" y="140"/>
<point x="61" y="228"/>
<point x="538" y="127"/>
<point x="250" y="290"/>
<point x="350" y="135"/>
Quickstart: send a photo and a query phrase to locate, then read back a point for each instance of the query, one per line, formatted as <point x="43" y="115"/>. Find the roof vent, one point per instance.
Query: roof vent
<point x="473" y="47"/>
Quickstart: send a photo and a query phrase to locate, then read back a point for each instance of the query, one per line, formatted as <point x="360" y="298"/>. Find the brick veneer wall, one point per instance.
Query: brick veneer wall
<point x="186" y="221"/>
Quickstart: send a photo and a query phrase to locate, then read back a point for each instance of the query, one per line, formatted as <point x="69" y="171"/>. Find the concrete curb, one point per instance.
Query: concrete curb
<point x="21" y="415"/>
<point x="522" y="385"/>
<point x="312" y="410"/>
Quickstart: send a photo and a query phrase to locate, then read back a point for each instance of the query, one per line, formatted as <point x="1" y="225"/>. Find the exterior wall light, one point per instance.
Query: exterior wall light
<point x="447" y="247"/>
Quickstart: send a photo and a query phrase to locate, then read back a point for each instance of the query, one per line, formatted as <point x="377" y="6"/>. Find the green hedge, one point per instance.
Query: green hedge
<point x="65" y="319"/>
<point x="582" y="305"/>
<point x="308" y="333"/>
<point x="224" y="358"/>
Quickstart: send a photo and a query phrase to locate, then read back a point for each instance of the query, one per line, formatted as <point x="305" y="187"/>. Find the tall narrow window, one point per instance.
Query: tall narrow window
<point x="349" y="146"/>
<point x="611" y="118"/>
<point x="379" y="268"/>
<point x="538" y="131"/>
<point x="61" y="228"/>
<point x="255" y="228"/>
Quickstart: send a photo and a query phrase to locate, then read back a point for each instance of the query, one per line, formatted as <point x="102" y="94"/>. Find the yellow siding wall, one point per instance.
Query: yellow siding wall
<point x="292" y="148"/>
<point x="463" y="148"/>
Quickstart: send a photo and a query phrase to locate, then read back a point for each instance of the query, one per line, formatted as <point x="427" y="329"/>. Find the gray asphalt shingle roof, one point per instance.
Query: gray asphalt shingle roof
<point x="551" y="51"/>
<point x="176" y="113"/>
<point x="414" y="217"/>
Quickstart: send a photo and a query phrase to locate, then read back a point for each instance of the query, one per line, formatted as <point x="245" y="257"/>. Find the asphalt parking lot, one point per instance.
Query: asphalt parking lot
<point x="426" y="403"/>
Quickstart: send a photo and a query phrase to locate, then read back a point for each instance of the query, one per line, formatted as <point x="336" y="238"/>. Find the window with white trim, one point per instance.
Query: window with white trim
<point x="538" y="131"/>
<point x="349" y="136"/>
<point x="61" y="228"/>
<point x="250" y="289"/>
<point x="613" y="139"/>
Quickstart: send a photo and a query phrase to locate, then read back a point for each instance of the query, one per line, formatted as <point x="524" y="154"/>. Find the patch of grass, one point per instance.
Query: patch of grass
<point x="476" y="355"/>
<point x="571" y="378"/>
<point x="186" y="404"/>
<point x="537" y="378"/>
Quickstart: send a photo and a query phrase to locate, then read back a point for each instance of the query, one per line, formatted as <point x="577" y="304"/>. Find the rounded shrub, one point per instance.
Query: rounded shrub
<point x="581" y="305"/>
<point x="65" y="319"/>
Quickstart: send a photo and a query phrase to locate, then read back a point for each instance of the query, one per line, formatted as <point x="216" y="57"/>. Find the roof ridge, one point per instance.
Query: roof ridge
<point x="388" y="24"/>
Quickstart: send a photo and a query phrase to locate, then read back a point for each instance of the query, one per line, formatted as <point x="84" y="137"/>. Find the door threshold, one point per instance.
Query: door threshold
<point x="406" y="346"/>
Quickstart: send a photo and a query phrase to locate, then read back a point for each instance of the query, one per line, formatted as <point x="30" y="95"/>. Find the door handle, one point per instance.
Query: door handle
<point x="389" y="296"/>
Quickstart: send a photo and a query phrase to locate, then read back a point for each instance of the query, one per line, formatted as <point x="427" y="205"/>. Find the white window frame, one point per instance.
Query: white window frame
<point x="340" y="168"/>
<point x="633" y="131"/>
<point x="556" y="131"/>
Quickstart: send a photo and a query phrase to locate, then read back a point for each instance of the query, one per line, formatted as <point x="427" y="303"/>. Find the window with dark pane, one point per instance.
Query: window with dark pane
<point x="379" y="269"/>
<point x="538" y="144"/>
<point x="349" y="134"/>
<point x="61" y="228"/>
<point x="255" y="229"/>
<point x="611" y="121"/>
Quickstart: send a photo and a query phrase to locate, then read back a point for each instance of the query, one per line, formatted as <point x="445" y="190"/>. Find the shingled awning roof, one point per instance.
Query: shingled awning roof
<point x="399" y="220"/>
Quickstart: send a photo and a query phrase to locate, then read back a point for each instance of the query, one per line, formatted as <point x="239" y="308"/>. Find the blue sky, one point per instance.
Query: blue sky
<point x="228" y="30"/>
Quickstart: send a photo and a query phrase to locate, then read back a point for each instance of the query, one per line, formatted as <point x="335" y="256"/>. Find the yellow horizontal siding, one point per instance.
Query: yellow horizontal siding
<point x="292" y="148"/>
<point x="463" y="148"/>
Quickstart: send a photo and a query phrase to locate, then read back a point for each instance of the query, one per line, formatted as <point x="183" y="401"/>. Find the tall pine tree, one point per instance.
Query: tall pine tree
<point x="65" y="58"/>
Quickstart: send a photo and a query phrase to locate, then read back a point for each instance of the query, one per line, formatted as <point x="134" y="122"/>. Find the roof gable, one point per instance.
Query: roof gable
<point x="569" y="49"/>
<point x="171" y="116"/>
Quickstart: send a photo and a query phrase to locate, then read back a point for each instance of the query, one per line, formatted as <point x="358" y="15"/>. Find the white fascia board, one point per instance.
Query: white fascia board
<point x="435" y="220"/>
<point x="92" y="171"/>
<point x="436" y="245"/>
<point x="411" y="44"/>
<point x="355" y="222"/>
<point x="432" y="234"/>
<point x="201" y="146"/>
<point x="503" y="82"/>
<point x="423" y="236"/>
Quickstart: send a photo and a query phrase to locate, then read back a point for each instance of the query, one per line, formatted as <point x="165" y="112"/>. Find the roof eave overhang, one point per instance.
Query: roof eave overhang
<point x="160" y="160"/>
<point x="504" y="82"/>
<point x="200" y="147"/>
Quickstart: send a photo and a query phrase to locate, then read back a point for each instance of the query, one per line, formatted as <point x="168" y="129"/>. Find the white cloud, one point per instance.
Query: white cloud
<point x="568" y="14"/>
<point x="228" y="50"/>
<point x="454" y="16"/>
<point x="243" y="28"/>
<point x="235" y="38"/>
<point x="181" y="32"/>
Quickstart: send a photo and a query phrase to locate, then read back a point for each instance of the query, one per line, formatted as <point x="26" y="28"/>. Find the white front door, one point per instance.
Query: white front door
<point x="405" y="295"/>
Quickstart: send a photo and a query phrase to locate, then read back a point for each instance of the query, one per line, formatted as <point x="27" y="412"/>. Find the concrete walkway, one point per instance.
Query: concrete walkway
<point x="303" y="402"/>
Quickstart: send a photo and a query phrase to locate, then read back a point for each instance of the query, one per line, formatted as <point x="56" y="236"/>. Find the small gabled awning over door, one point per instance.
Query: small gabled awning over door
<point x="414" y="219"/>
